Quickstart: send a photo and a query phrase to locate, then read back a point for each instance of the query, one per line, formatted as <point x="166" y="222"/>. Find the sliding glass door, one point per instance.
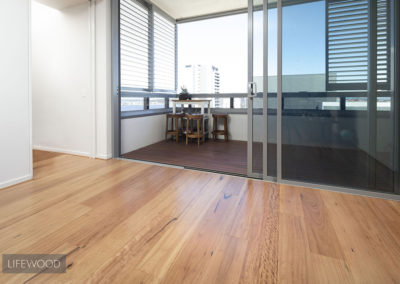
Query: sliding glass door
<point x="326" y="109"/>
<point x="262" y="103"/>
<point x="255" y="96"/>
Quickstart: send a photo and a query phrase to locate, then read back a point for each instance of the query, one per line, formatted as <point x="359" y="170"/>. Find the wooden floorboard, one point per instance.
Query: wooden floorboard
<point x="221" y="156"/>
<point x="43" y="155"/>
<point x="127" y="222"/>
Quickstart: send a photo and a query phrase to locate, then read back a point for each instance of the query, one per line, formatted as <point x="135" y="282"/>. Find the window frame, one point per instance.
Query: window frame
<point x="148" y="93"/>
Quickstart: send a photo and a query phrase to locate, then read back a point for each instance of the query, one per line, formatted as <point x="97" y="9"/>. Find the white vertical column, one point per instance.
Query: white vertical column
<point x="92" y="30"/>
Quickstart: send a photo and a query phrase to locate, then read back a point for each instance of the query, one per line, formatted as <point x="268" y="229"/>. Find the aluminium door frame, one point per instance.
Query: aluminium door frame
<point x="396" y="92"/>
<point x="116" y="78"/>
<point x="249" y="79"/>
<point x="265" y="92"/>
<point x="250" y="128"/>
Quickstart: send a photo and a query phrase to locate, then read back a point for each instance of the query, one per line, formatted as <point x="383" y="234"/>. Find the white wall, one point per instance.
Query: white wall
<point x="71" y="89"/>
<point x="15" y="97"/>
<point x="103" y="79"/>
<point x="237" y="127"/>
<point x="142" y="131"/>
<point x="61" y="79"/>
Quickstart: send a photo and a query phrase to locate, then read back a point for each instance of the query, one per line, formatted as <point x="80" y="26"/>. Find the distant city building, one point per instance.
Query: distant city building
<point x="202" y="79"/>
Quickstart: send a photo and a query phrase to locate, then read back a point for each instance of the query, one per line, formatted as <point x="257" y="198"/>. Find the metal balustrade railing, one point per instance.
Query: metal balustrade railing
<point x="324" y="104"/>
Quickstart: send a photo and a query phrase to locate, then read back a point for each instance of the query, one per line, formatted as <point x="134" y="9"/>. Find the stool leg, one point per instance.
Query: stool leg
<point x="198" y="133"/>
<point x="226" y="129"/>
<point x="166" y="128"/>
<point x="187" y="130"/>
<point x="214" y="127"/>
<point x="177" y="129"/>
<point x="202" y="132"/>
<point x="191" y="128"/>
<point x="180" y="128"/>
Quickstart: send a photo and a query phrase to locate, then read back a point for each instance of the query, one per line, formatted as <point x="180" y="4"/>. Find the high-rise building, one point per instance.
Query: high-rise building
<point x="202" y="79"/>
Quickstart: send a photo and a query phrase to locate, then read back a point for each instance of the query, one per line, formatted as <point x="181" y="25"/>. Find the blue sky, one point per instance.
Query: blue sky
<point x="303" y="38"/>
<point x="223" y="42"/>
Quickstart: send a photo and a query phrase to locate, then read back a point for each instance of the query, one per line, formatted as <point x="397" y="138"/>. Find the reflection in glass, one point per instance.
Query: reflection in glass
<point x="337" y="115"/>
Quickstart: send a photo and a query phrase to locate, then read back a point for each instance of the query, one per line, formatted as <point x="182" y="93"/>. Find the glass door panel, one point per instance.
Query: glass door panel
<point x="336" y="120"/>
<point x="338" y="117"/>
<point x="262" y="89"/>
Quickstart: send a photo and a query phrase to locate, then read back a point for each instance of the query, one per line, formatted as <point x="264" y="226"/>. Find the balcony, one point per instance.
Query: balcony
<point x="318" y="127"/>
<point x="330" y="99"/>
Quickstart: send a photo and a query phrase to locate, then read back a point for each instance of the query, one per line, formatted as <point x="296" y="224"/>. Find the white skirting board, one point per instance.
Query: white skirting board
<point x="15" y="181"/>
<point x="72" y="152"/>
<point x="64" y="151"/>
<point x="104" y="156"/>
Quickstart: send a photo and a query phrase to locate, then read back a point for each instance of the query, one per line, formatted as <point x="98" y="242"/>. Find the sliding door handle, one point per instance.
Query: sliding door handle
<point x="252" y="92"/>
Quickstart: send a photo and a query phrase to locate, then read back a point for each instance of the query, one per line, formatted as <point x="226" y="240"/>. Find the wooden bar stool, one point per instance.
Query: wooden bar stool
<point x="175" y="130"/>
<point x="217" y="132"/>
<point x="190" y="131"/>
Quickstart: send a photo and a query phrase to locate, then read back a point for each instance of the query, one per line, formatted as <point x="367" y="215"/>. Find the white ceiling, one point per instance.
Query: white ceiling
<point x="179" y="9"/>
<point x="61" y="4"/>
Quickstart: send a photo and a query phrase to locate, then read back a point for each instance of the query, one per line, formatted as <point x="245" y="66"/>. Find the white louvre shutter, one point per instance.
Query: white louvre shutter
<point x="134" y="40"/>
<point x="164" y="53"/>
<point x="347" y="44"/>
<point x="383" y="44"/>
